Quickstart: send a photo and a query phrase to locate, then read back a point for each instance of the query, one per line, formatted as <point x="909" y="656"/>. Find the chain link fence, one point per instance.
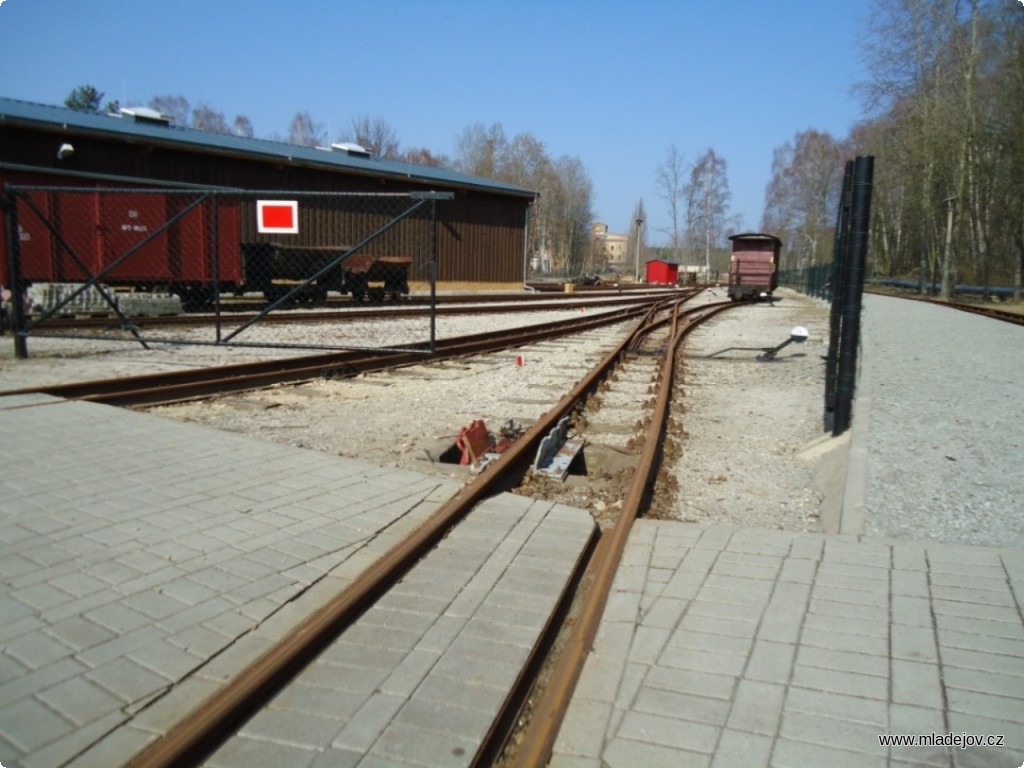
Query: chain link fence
<point x="219" y="267"/>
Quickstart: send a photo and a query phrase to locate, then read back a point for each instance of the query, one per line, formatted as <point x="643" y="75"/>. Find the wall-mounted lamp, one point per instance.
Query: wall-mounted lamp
<point x="65" y="151"/>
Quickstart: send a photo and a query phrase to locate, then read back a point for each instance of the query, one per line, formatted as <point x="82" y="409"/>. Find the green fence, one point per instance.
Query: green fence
<point x="814" y="281"/>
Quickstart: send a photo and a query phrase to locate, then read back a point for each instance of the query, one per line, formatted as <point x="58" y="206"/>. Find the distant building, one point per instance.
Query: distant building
<point x="609" y="250"/>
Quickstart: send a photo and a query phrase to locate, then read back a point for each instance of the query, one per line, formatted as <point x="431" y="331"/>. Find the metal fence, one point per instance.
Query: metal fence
<point x="221" y="267"/>
<point x="814" y="281"/>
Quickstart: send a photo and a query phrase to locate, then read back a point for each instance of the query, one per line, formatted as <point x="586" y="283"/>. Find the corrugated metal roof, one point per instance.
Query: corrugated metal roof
<point x="61" y="118"/>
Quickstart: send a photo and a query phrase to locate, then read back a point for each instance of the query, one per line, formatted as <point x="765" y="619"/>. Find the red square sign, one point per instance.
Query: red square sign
<point x="277" y="216"/>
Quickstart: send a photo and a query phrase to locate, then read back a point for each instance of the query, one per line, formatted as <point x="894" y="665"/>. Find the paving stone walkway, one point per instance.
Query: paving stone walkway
<point x="738" y="647"/>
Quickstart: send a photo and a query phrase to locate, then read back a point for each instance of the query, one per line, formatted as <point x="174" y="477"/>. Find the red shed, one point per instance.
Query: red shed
<point x="661" y="272"/>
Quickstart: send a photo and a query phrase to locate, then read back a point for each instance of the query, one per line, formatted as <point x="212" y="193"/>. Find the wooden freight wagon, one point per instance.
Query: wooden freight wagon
<point x="754" y="266"/>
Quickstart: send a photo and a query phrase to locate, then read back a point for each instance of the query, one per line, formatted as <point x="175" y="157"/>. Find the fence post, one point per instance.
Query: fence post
<point x="838" y="295"/>
<point x="859" y="219"/>
<point x="14" y="271"/>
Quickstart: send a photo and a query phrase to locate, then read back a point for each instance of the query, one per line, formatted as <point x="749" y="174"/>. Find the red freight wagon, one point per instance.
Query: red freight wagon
<point x="132" y="238"/>
<point x="754" y="266"/>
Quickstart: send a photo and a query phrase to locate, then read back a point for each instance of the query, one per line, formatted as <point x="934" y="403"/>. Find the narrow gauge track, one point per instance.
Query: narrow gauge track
<point x="205" y="729"/>
<point x="1017" y="318"/>
<point x="342" y="311"/>
<point x="179" y="386"/>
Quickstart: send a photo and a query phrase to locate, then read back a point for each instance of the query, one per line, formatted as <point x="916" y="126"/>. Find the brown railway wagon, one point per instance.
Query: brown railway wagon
<point x="754" y="265"/>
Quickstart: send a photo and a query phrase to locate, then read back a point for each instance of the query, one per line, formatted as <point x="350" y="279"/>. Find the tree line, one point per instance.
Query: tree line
<point x="944" y="100"/>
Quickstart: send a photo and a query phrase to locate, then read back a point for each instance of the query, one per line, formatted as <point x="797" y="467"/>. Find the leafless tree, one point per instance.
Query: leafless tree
<point x="478" y="149"/>
<point x="670" y="178"/>
<point x="242" y="126"/>
<point x="423" y="156"/>
<point x="305" y="132"/>
<point x="175" y="107"/>
<point x="803" y="196"/>
<point x="375" y="135"/>
<point x="206" y="118"/>
<point x="574" y="215"/>
<point x="706" y="194"/>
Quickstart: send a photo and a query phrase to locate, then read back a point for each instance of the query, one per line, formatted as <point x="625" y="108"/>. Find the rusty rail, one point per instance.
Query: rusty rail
<point x="178" y="386"/>
<point x="202" y="730"/>
<point x="539" y="738"/>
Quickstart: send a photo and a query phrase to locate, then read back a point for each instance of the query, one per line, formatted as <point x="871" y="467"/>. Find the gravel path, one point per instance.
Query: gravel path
<point x="746" y="421"/>
<point x="945" y="424"/>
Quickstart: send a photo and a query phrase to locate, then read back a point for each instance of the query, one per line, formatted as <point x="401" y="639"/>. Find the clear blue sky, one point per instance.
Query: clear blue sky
<point x="612" y="83"/>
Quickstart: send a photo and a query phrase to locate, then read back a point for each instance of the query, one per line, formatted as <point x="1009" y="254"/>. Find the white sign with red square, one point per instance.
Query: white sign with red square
<point x="277" y="217"/>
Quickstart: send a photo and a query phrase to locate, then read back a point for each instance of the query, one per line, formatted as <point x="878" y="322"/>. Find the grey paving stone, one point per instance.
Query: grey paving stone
<point x="705" y="641"/>
<point x="845" y="624"/>
<point x="695" y="621"/>
<point x="305" y="730"/>
<point x="915" y="644"/>
<point x="647" y="644"/>
<point x="361" y="732"/>
<point x="829" y="732"/>
<point x="36" y="649"/>
<point x="69" y="747"/>
<point x="27" y="684"/>
<point x="669" y="732"/>
<point x="582" y="734"/>
<point x="29" y="724"/>
<point x="625" y="753"/>
<point x="906" y="718"/>
<point x="757" y="707"/>
<point x="691" y="682"/>
<point x="248" y="752"/>
<point x="741" y="749"/>
<point x="917" y="683"/>
<point x="912" y="610"/>
<point x="771" y="662"/>
<point x="406" y="676"/>
<point x="982" y="682"/>
<point x="403" y="744"/>
<point x="799" y="571"/>
<point x="353" y="677"/>
<point x="665" y="613"/>
<point x="128" y="680"/>
<point x="816" y="637"/>
<point x="984" y="661"/>
<point x="843" y="661"/>
<point x="685" y="706"/>
<point x="980" y="626"/>
<point x="80" y="701"/>
<point x="913" y="583"/>
<point x="789" y="753"/>
<point x="849" y="683"/>
<point x="836" y="705"/>
<point x="783" y="616"/>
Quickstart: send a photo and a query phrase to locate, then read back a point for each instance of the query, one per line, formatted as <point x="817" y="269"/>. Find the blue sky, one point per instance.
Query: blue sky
<point x="612" y="83"/>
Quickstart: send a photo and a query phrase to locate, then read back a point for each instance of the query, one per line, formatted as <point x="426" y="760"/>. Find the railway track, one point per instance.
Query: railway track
<point x="651" y="348"/>
<point x="994" y="313"/>
<point x="178" y="386"/>
<point x="242" y="311"/>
